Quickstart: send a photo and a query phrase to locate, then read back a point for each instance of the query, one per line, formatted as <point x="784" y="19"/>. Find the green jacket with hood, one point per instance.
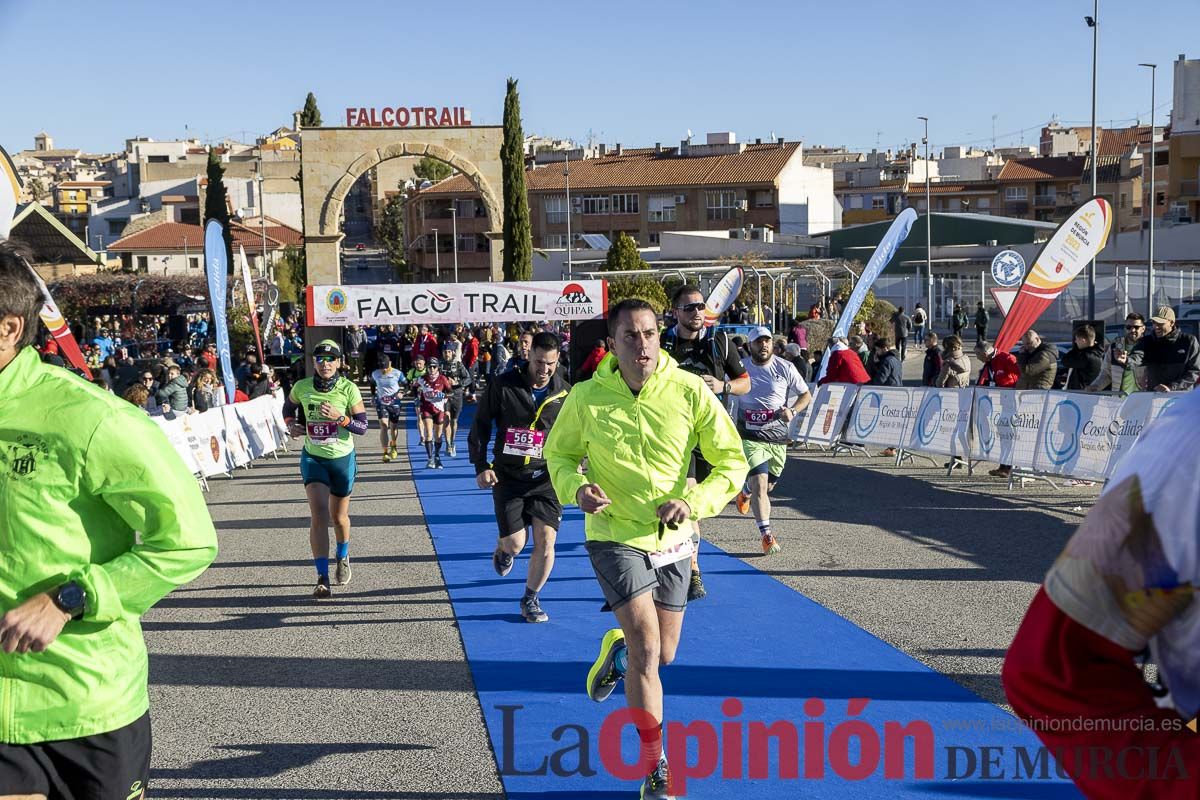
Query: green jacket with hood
<point x="91" y="491"/>
<point x="638" y="449"/>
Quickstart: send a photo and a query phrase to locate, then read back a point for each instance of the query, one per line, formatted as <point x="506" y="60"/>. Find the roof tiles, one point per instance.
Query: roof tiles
<point x="643" y="168"/>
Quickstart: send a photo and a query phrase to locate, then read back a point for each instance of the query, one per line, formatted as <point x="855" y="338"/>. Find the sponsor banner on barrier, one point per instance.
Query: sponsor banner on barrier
<point x="208" y="429"/>
<point x="942" y="423"/>
<point x="218" y="440"/>
<point x="401" y="304"/>
<point x="1085" y="436"/>
<point x="880" y="416"/>
<point x="174" y="431"/>
<point x="826" y="416"/>
<point x="1006" y="424"/>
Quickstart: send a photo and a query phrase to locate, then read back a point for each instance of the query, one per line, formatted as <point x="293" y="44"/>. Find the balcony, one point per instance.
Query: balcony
<point x="1045" y="200"/>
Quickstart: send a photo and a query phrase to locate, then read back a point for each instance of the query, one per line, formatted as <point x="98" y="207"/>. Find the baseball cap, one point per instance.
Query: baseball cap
<point x="760" y="332"/>
<point x="1163" y="315"/>
<point x="327" y="348"/>
<point x="433" y="362"/>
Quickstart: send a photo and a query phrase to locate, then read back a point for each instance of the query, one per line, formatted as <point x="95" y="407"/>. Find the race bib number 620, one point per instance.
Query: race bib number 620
<point x="757" y="417"/>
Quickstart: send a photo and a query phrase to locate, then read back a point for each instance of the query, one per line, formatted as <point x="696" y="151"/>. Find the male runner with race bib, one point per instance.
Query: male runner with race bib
<point x="523" y="405"/>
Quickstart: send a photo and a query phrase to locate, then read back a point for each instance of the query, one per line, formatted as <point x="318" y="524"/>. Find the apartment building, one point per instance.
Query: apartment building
<point x="1183" y="190"/>
<point x="1044" y="189"/>
<point x="720" y="185"/>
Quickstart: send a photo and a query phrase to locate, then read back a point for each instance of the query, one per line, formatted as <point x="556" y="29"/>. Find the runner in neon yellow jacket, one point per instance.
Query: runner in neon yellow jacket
<point x="637" y="450"/>
<point x="80" y="471"/>
<point x="637" y="422"/>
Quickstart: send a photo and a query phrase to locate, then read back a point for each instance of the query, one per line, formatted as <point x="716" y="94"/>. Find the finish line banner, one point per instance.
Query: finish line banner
<point x="403" y="304"/>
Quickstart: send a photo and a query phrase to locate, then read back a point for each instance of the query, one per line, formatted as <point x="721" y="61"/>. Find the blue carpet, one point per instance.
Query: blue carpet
<point x="782" y="657"/>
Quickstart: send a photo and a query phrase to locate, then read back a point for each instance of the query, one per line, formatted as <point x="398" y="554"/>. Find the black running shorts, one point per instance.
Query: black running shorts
<point x="518" y="503"/>
<point x="698" y="468"/>
<point x="114" y="764"/>
<point x="454" y="406"/>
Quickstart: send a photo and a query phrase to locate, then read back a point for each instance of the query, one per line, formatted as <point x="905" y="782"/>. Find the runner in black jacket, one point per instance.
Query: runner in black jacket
<point x="461" y="381"/>
<point x="522" y="405"/>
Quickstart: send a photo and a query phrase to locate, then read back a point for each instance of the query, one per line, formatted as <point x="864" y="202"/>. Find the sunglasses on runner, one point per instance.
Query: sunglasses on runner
<point x="325" y="359"/>
<point x="1134" y="327"/>
<point x="691" y="308"/>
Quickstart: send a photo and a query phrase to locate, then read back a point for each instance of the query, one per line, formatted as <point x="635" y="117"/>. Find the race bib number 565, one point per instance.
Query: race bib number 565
<point x="524" y="442"/>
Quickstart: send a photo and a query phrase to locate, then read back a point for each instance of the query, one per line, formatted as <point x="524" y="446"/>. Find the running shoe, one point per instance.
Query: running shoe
<point x="531" y="610"/>
<point x="502" y="562"/>
<point x="743" y="503"/>
<point x="343" y="571"/>
<point x="1000" y="472"/>
<point x="769" y="545"/>
<point x="696" y="589"/>
<point x="429" y="464"/>
<point x="437" y="462"/>
<point x="322" y="588"/>
<point x="387" y="456"/>
<point x="394" y="453"/>
<point x="450" y="451"/>
<point x="657" y="783"/>
<point x="604" y="675"/>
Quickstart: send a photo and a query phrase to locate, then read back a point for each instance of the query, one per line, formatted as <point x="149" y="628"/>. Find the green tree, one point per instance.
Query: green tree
<point x="518" y="235"/>
<point x="432" y="170"/>
<point x="623" y="256"/>
<point x="310" y="116"/>
<point x="291" y="274"/>
<point x="391" y="232"/>
<point x="216" y="202"/>
<point x="37" y="189"/>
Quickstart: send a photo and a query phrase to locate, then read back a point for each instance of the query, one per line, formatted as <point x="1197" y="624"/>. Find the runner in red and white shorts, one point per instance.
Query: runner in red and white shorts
<point x="433" y="391"/>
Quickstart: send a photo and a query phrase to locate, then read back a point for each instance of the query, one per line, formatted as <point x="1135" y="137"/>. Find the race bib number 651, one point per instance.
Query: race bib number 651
<point x="323" y="432"/>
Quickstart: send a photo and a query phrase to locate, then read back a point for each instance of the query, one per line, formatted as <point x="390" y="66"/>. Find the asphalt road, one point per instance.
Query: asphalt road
<point x="258" y="691"/>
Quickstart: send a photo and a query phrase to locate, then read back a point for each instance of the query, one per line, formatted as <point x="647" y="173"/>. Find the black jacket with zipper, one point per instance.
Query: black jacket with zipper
<point x="508" y="403"/>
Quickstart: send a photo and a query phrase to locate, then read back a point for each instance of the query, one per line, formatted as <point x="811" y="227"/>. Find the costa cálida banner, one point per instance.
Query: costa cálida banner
<point x="722" y="296"/>
<point x="1076" y="242"/>
<point x="403" y="304"/>
<point x="217" y="266"/>
<point x="888" y="245"/>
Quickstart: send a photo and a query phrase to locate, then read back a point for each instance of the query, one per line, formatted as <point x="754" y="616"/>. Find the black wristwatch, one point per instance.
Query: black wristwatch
<point x="726" y="388"/>
<point x="71" y="599"/>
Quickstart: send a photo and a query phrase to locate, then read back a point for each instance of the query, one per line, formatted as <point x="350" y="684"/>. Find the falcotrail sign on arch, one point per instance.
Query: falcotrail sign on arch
<point x="402" y="304"/>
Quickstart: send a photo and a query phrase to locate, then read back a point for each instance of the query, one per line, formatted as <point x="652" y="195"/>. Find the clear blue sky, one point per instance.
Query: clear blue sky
<point x="93" y="74"/>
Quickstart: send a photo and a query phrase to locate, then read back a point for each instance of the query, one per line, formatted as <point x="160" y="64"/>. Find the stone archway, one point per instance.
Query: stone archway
<point x="332" y="159"/>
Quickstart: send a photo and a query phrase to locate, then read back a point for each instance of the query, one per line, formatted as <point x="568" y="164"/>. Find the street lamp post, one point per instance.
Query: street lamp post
<point x="262" y="216"/>
<point x="1153" y="199"/>
<point x="567" y="178"/>
<point x="454" y="236"/>
<point x="1093" y="23"/>
<point x="437" y="261"/>
<point x="928" y="227"/>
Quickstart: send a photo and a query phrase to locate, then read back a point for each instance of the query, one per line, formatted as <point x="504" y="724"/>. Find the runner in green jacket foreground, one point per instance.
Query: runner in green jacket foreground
<point x="637" y="422"/>
<point x="100" y="520"/>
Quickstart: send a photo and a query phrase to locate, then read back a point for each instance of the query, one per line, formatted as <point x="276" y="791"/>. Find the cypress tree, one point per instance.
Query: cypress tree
<point x="518" y="234"/>
<point x="216" y="204"/>
<point x="310" y="117"/>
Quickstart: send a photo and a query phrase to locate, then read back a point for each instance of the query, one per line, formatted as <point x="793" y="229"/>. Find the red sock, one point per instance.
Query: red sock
<point x="652" y="747"/>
